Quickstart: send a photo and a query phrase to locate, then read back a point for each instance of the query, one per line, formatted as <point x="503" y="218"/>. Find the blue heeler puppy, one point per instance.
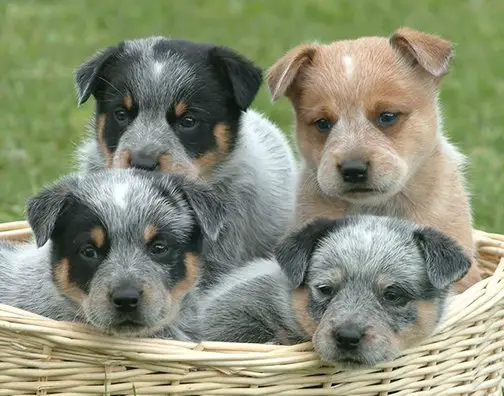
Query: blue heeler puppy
<point x="118" y="249"/>
<point x="183" y="107"/>
<point x="362" y="288"/>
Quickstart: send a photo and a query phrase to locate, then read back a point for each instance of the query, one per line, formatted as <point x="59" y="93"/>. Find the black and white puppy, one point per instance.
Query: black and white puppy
<point x="183" y="107"/>
<point x="119" y="250"/>
<point x="362" y="288"/>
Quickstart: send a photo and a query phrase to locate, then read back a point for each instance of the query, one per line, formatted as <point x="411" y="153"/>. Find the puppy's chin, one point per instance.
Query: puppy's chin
<point x="361" y="358"/>
<point x="360" y="195"/>
<point x="145" y="323"/>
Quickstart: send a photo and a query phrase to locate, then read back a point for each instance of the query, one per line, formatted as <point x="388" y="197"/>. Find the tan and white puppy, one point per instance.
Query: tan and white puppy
<point x="369" y="130"/>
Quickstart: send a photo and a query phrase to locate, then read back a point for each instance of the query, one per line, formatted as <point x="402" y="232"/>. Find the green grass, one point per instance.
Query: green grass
<point x="42" y="42"/>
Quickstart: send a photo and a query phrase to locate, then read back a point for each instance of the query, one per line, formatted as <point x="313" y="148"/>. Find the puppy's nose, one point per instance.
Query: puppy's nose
<point x="348" y="337"/>
<point x="126" y="300"/>
<point x="353" y="171"/>
<point x="141" y="160"/>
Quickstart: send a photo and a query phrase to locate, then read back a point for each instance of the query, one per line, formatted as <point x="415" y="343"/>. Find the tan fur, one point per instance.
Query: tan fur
<point x="180" y="108"/>
<point x="191" y="262"/>
<point x="166" y="163"/>
<point x="300" y="308"/>
<point x="62" y="280"/>
<point x="128" y="102"/>
<point x="149" y="233"/>
<point x="350" y="83"/>
<point x="125" y="159"/>
<point x="421" y="328"/>
<point x="431" y="52"/>
<point x="209" y="160"/>
<point x="100" y="127"/>
<point x="281" y="75"/>
<point x="98" y="236"/>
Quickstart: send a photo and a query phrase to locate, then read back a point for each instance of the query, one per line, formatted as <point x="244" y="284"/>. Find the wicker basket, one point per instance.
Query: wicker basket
<point x="465" y="357"/>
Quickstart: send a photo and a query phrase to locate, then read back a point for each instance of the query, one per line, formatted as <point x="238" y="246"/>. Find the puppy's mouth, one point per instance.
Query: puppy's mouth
<point x="349" y="362"/>
<point x="362" y="190"/>
<point x="128" y="326"/>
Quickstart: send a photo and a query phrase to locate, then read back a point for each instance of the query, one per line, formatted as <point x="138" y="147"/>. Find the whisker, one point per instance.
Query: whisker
<point x="112" y="85"/>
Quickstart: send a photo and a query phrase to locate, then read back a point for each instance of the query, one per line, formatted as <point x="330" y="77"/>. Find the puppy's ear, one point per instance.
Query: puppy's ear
<point x="44" y="209"/>
<point x="241" y="75"/>
<point x="445" y="259"/>
<point x="282" y="74"/>
<point x="432" y="53"/>
<point x="295" y="251"/>
<point x="208" y="205"/>
<point x="87" y="76"/>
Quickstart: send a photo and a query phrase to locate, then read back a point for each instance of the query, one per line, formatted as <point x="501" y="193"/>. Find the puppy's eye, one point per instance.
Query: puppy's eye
<point x="121" y="115"/>
<point x="387" y="119"/>
<point x="325" y="290"/>
<point x="393" y="295"/>
<point x="89" y="252"/>
<point x="187" y="122"/>
<point x="323" y="125"/>
<point x="158" y="248"/>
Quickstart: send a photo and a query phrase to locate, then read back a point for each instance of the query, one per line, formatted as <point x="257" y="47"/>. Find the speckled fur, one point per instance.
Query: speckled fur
<point x="277" y="301"/>
<point x="258" y="177"/>
<point x="125" y="201"/>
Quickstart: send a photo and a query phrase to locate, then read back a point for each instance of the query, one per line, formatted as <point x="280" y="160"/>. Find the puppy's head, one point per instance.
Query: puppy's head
<point x="126" y="244"/>
<point x="366" y="109"/>
<point x="366" y="287"/>
<point x="168" y="105"/>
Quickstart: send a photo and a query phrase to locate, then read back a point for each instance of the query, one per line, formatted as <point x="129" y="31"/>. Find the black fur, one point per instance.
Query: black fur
<point x="239" y="75"/>
<point x="44" y="209"/>
<point x="295" y="251"/>
<point x="72" y="233"/>
<point x="445" y="259"/>
<point x="87" y="77"/>
<point x="224" y="86"/>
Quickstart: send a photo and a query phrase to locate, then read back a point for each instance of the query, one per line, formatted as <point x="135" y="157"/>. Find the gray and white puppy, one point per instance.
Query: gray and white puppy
<point x="178" y="106"/>
<point x="116" y="249"/>
<point x="362" y="288"/>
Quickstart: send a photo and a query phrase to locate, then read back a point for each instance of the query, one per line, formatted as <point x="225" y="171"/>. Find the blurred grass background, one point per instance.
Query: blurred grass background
<point x="43" y="41"/>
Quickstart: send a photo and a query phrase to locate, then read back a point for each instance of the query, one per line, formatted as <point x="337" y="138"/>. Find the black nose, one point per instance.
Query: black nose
<point x="353" y="171"/>
<point x="348" y="336"/>
<point x="149" y="162"/>
<point x="126" y="300"/>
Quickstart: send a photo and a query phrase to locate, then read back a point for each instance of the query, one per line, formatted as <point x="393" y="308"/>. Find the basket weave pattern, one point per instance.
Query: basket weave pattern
<point x="39" y="356"/>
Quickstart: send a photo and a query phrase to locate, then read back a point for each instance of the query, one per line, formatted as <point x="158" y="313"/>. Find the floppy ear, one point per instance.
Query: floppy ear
<point x="44" y="209"/>
<point x="87" y="76"/>
<point x="295" y="251"/>
<point x="281" y="75"/>
<point x="210" y="209"/>
<point x="432" y="53"/>
<point x="241" y="75"/>
<point x="445" y="259"/>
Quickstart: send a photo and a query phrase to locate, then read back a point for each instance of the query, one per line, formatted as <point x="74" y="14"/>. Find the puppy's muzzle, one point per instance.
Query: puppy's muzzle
<point x="348" y="337"/>
<point x="353" y="171"/>
<point x="145" y="161"/>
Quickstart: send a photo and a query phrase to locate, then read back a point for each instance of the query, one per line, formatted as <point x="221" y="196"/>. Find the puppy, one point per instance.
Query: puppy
<point x="116" y="249"/>
<point x="369" y="130"/>
<point x="362" y="288"/>
<point x="182" y="107"/>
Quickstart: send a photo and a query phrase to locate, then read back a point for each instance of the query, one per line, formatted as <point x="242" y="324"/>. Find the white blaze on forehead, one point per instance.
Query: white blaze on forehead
<point x="348" y="65"/>
<point x="119" y="194"/>
<point x="157" y="68"/>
